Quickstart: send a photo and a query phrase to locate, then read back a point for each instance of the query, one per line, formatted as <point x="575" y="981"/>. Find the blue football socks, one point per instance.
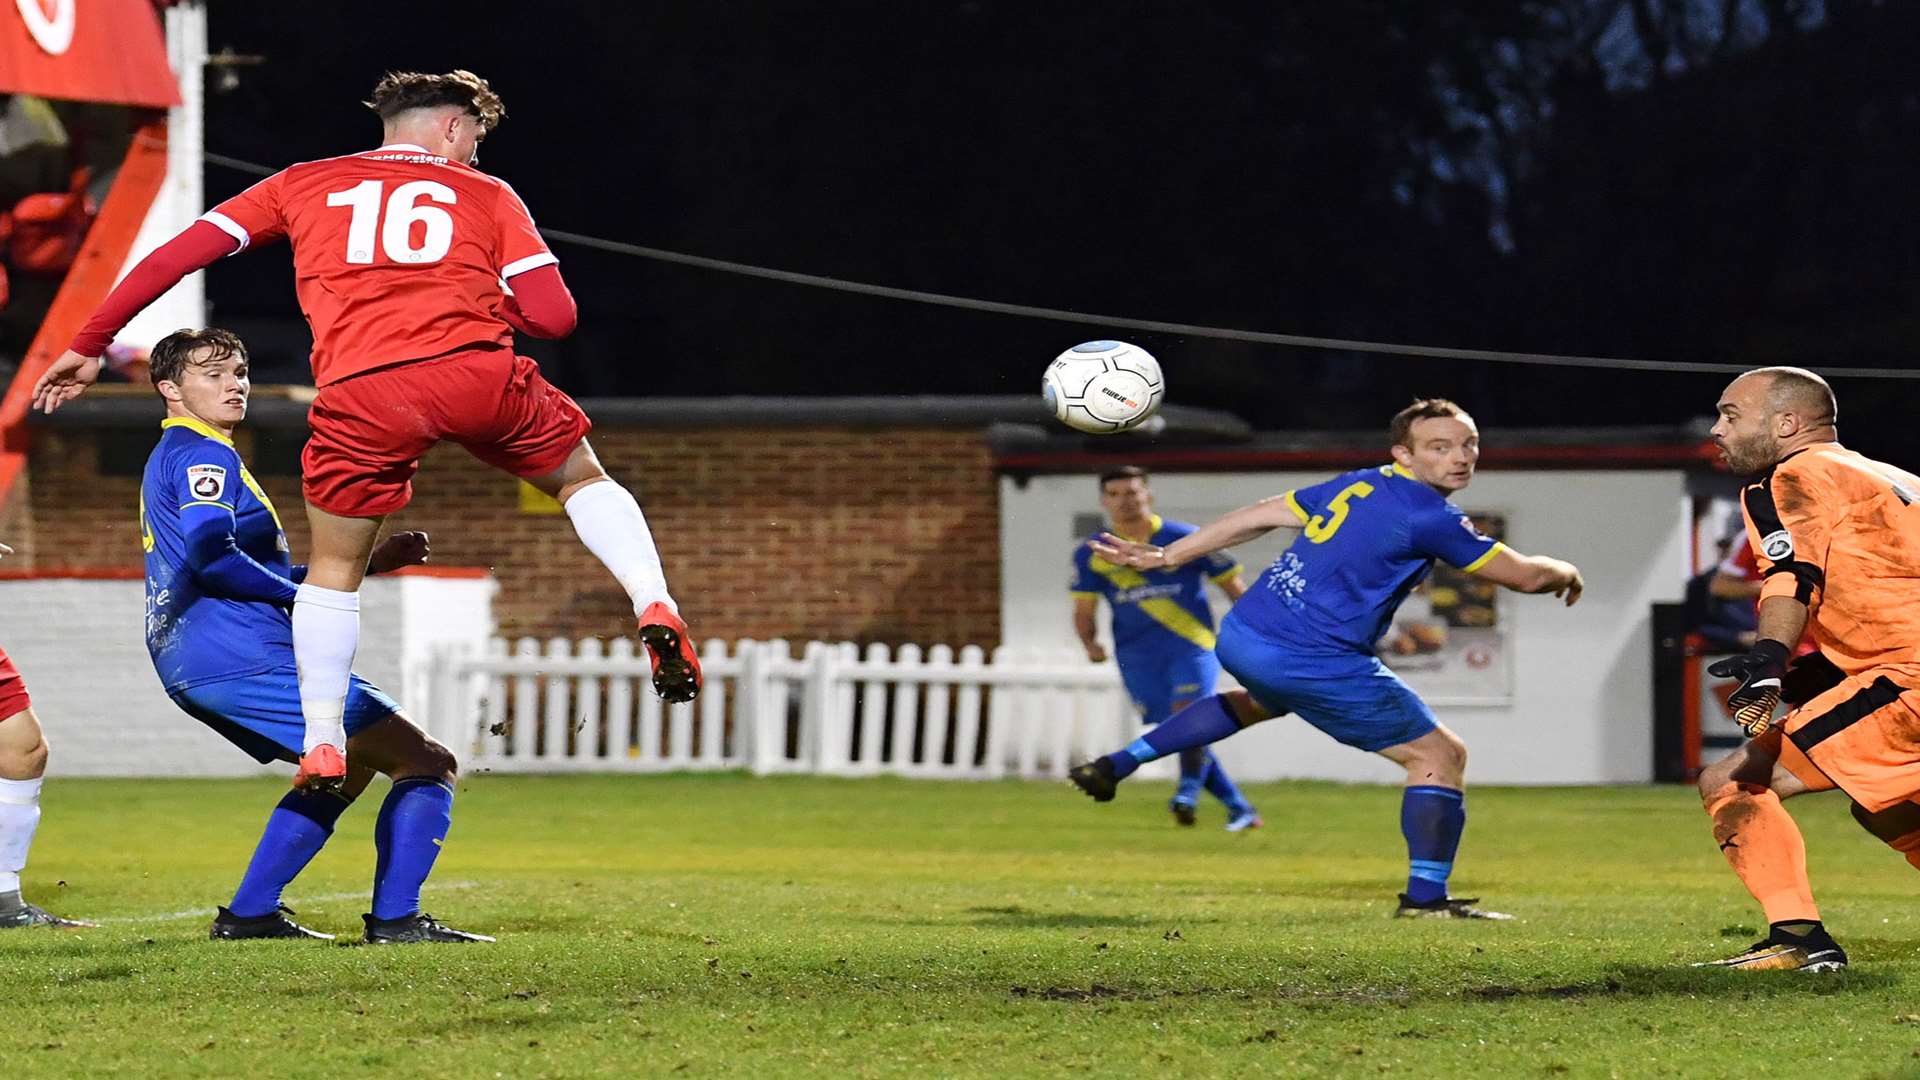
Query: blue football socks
<point x="1431" y="818"/>
<point x="1222" y="787"/>
<point x="296" y="830"/>
<point x="1205" y="721"/>
<point x="414" y="821"/>
<point x="1194" y="766"/>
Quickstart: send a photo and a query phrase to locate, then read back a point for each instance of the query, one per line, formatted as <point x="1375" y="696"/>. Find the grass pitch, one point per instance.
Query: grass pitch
<point x="722" y="925"/>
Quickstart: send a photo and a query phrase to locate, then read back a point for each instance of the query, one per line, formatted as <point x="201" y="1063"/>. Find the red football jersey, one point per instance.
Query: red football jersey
<point x="398" y="254"/>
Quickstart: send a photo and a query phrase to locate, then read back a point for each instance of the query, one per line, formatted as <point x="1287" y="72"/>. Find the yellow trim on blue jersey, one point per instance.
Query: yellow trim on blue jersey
<point x="1402" y="470"/>
<point x="198" y="426"/>
<point x="1077" y="593"/>
<point x="260" y="493"/>
<point x="201" y="427"/>
<point x="146" y="531"/>
<point x="1160" y="609"/>
<point x="1483" y="560"/>
<point x="1230" y="572"/>
<point x="1293" y="504"/>
<point x="205" y="502"/>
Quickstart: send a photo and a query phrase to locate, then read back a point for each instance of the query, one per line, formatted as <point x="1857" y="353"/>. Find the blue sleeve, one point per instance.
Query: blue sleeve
<point x="206" y="476"/>
<point x="1084" y="579"/>
<point x="1307" y="501"/>
<point x="1447" y="534"/>
<point x="298" y="573"/>
<point x="217" y="563"/>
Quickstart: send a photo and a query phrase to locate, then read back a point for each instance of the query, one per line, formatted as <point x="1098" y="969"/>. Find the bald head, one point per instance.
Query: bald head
<point x="1770" y="412"/>
<point x="1800" y="392"/>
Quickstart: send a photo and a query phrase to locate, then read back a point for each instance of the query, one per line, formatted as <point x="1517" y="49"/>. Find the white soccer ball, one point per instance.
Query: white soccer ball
<point x="1101" y="387"/>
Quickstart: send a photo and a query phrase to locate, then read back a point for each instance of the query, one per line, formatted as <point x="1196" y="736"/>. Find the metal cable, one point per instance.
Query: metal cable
<point x="1155" y="326"/>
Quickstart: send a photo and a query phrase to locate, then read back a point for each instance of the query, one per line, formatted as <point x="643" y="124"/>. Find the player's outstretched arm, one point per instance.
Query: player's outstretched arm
<point x="200" y="246"/>
<point x="1534" y="574"/>
<point x="65" y="379"/>
<point x="1235" y="527"/>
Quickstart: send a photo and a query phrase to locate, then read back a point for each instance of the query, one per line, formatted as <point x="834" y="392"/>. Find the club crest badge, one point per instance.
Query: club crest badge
<point x="207" y="482"/>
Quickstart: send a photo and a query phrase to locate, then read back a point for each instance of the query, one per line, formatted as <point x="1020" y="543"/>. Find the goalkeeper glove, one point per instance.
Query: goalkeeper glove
<point x="1808" y="677"/>
<point x="1760" y="670"/>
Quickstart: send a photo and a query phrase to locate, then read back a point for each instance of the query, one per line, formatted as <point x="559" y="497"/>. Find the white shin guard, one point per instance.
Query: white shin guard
<point x="610" y="523"/>
<point x="19" y="817"/>
<point x="326" y="633"/>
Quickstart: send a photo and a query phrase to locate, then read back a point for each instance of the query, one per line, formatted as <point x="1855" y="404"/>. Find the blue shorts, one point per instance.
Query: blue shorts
<point x="1354" y="698"/>
<point x="1159" y="683"/>
<point x="261" y="713"/>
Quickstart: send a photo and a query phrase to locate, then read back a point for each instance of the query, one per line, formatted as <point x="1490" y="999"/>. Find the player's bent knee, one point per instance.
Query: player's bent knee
<point x="1445" y="753"/>
<point x="1713" y="783"/>
<point x="23" y="748"/>
<point x="1246" y="711"/>
<point x="28" y="764"/>
<point x="436" y="761"/>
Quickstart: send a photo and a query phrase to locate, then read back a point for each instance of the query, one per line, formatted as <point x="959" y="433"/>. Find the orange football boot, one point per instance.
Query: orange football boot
<point x="322" y="768"/>
<point x="676" y="668"/>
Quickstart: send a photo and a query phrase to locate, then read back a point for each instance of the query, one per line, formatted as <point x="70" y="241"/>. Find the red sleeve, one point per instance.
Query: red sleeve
<point x="540" y="305"/>
<point x="520" y="246"/>
<point x="202" y="245"/>
<point x="254" y="214"/>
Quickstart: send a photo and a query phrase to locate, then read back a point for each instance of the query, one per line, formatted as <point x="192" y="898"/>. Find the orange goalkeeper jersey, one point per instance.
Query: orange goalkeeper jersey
<point x="1841" y="533"/>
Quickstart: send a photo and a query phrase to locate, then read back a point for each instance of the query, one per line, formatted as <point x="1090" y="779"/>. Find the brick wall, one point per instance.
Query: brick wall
<point x="889" y="534"/>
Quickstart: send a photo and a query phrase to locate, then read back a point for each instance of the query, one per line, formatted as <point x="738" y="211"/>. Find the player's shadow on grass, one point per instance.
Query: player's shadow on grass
<point x="1637" y="981"/>
<point x="1018" y="918"/>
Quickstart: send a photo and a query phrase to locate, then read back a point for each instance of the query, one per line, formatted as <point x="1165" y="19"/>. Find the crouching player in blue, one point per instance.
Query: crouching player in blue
<point x="219" y="586"/>
<point x="1162" y="631"/>
<point x="1302" y="640"/>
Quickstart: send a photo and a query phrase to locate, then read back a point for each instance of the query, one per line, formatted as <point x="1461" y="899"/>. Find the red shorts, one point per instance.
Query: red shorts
<point x="13" y="689"/>
<point x="370" y="430"/>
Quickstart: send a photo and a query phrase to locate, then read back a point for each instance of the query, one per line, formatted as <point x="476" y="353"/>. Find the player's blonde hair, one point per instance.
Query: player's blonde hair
<point x="400" y="91"/>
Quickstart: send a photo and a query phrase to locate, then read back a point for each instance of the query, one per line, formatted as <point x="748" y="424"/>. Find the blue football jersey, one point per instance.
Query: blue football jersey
<point x="1156" y="613"/>
<point x="1368" y="538"/>
<point x="218" y="568"/>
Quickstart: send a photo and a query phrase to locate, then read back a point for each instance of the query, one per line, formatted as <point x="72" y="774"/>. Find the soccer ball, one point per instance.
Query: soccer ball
<point x="1101" y="387"/>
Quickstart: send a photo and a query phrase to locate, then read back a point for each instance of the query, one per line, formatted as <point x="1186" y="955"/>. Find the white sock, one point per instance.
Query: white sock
<point x="19" y="817"/>
<point x="326" y="632"/>
<point x="610" y="523"/>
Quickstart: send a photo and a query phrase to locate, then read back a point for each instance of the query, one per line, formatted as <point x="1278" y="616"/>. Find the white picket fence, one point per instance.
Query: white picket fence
<point x="833" y="709"/>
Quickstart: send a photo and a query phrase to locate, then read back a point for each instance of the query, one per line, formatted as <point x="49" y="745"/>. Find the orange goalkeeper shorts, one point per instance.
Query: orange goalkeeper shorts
<point x="1862" y="736"/>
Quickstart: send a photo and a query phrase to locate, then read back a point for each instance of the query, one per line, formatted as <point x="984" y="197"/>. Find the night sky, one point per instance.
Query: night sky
<point x="1726" y="180"/>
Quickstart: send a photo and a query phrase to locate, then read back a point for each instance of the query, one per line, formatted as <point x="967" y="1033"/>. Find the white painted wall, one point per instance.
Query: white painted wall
<point x="79" y="646"/>
<point x="182" y="197"/>
<point x="1582" y="677"/>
